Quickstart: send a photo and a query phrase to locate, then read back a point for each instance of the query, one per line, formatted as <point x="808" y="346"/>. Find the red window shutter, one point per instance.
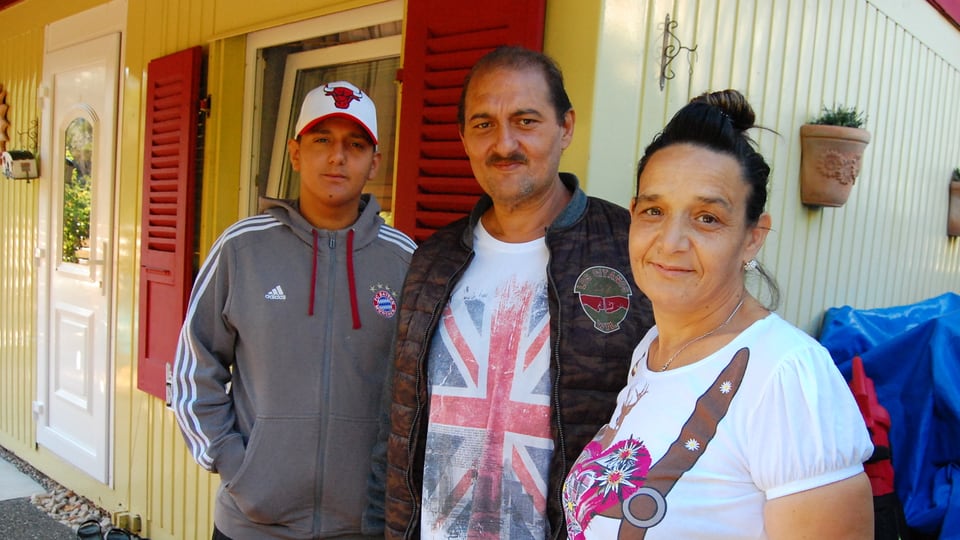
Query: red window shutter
<point x="443" y="40"/>
<point x="950" y="9"/>
<point x="169" y="187"/>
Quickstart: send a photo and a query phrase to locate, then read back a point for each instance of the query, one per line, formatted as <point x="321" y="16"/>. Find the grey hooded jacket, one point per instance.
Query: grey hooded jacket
<point x="280" y="365"/>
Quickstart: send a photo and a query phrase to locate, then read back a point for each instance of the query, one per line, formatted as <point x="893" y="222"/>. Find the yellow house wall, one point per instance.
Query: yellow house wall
<point x="895" y="60"/>
<point x="886" y="247"/>
<point x="572" y="37"/>
<point x="21" y="58"/>
<point x="154" y="477"/>
<point x="18" y="238"/>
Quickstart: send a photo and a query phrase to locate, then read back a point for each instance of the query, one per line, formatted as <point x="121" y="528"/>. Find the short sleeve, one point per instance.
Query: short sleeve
<point x="805" y="430"/>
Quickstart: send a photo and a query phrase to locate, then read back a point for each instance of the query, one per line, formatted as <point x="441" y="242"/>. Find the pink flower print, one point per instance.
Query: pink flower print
<point x="615" y="481"/>
<point x="625" y="452"/>
<point x="602" y="479"/>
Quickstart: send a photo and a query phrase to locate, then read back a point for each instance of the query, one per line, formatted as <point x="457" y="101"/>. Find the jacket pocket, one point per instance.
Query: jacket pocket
<point x="347" y="471"/>
<point x="276" y="483"/>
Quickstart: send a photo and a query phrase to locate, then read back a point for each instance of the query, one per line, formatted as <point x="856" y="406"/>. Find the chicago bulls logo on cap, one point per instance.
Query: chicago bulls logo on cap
<point x="342" y="96"/>
<point x="338" y="99"/>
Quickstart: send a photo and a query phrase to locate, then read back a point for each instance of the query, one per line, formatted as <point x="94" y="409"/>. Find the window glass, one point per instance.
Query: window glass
<point x="77" y="189"/>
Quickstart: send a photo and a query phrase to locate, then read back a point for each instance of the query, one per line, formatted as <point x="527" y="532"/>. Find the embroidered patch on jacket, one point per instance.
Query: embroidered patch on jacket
<point x="604" y="297"/>
<point x="384" y="300"/>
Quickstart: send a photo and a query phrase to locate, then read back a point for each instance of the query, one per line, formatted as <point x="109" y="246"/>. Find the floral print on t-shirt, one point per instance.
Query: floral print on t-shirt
<point x="601" y="480"/>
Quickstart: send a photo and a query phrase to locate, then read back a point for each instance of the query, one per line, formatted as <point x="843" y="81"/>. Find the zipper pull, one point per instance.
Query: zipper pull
<point x="332" y="242"/>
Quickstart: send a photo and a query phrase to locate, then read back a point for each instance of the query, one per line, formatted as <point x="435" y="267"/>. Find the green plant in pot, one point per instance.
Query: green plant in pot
<point x="953" y="212"/>
<point x="831" y="154"/>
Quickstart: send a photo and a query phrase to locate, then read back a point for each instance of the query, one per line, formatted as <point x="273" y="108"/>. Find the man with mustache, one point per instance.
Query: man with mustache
<point x="516" y="326"/>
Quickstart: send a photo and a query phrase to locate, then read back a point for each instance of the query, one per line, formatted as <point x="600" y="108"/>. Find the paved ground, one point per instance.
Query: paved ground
<point x="19" y="518"/>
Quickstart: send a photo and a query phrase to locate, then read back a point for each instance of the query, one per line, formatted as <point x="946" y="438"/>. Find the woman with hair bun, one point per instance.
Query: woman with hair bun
<point x="733" y="423"/>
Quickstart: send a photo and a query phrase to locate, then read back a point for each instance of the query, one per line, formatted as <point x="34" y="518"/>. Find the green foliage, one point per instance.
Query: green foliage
<point x="839" y="115"/>
<point x="956" y="175"/>
<point x="77" y="188"/>
<point x="76" y="214"/>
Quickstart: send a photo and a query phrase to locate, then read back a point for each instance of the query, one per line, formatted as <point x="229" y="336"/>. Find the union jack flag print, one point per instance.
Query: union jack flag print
<point x="489" y="444"/>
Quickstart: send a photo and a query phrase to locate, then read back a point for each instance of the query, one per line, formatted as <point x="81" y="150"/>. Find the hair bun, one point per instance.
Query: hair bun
<point x="732" y="104"/>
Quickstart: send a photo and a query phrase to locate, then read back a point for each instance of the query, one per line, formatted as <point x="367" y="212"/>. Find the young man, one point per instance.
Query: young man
<point x="290" y="331"/>
<point x="516" y="327"/>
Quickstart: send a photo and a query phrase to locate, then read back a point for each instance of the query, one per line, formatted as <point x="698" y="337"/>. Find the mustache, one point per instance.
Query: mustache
<point x="513" y="157"/>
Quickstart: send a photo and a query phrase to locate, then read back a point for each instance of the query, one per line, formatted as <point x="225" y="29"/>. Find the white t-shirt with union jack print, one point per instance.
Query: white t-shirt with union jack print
<point x="488" y="443"/>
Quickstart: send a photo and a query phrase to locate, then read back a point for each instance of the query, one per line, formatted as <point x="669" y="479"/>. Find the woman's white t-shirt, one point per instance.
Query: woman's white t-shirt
<point x="792" y="425"/>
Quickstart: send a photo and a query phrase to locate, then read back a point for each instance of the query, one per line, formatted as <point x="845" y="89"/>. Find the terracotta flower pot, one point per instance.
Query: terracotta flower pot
<point x="953" y="216"/>
<point x="830" y="161"/>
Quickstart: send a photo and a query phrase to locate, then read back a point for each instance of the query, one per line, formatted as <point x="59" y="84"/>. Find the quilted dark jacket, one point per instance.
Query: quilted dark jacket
<point x="589" y="359"/>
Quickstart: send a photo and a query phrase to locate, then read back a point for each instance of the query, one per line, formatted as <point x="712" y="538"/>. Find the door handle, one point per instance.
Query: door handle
<point x="100" y="261"/>
<point x="102" y="254"/>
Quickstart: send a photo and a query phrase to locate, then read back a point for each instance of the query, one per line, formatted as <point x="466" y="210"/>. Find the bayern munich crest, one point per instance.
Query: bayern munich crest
<point x="604" y="297"/>
<point x="384" y="300"/>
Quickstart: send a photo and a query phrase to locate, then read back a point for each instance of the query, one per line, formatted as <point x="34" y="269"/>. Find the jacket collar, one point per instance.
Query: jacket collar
<point x="571" y="213"/>
<point x="366" y="228"/>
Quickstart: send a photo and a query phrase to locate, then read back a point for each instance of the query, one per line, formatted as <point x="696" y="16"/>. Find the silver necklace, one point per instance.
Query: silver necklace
<point x="696" y="339"/>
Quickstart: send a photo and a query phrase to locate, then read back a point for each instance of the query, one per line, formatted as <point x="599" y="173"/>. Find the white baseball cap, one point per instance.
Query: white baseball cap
<point x="338" y="99"/>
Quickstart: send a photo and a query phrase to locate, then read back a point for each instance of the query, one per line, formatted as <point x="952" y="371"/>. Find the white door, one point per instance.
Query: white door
<point x="79" y="99"/>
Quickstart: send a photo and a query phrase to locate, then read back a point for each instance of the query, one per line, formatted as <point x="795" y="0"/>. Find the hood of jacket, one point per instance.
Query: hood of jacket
<point x="361" y="233"/>
<point x="365" y="228"/>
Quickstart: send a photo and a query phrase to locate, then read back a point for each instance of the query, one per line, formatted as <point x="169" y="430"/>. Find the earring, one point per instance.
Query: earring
<point x="750" y="265"/>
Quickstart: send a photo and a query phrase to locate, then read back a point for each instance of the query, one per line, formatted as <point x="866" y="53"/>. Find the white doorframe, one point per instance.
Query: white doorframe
<point x="76" y="332"/>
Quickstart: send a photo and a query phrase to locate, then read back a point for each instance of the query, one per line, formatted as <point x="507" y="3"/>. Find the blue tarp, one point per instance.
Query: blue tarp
<point x="912" y="353"/>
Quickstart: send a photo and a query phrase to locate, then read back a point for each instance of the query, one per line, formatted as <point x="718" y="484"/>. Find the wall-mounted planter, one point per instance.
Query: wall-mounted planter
<point x="953" y="216"/>
<point x="19" y="165"/>
<point x="830" y="161"/>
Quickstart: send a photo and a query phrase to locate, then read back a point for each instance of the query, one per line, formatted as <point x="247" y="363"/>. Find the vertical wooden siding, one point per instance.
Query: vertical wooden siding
<point x="170" y="492"/>
<point x="887" y="246"/>
<point x="19" y="75"/>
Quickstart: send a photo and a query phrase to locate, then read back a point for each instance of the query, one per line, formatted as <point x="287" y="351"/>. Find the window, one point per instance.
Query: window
<point x="77" y="190"/>
<point x="361" y="46"/>
<point x="304" y="72"/>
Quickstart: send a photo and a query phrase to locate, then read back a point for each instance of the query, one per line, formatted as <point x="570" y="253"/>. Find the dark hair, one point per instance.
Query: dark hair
<point x="718" y="121"/>
<point x="518" y="58"/>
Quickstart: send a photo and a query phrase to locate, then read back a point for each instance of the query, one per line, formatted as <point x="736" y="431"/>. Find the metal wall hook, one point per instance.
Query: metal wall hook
<point x="32" y="133"/>
<point x="671" y="51"/>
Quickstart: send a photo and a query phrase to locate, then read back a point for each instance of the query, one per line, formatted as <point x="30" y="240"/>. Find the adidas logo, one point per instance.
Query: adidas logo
<point x="275" y="293"/>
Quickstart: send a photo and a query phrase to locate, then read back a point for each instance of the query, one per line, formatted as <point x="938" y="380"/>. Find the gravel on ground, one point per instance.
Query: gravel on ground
<point x="60" y="503"/>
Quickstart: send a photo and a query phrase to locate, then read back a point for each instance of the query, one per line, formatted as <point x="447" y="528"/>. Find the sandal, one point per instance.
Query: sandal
<point x="121" y="534"/>
<point x="90" y="530"/>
